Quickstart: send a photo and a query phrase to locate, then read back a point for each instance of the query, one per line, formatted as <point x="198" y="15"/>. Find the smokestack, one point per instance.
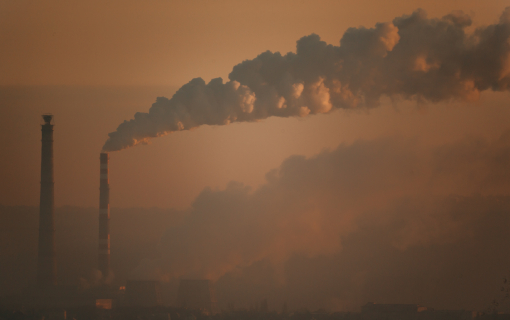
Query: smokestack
<point x="46" y="263"/>
<point x="104" y="217"/>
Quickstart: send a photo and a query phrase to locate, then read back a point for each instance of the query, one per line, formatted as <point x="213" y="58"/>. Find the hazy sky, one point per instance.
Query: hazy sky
<point x="162" y="42"/>
<point x="167" y="43"/>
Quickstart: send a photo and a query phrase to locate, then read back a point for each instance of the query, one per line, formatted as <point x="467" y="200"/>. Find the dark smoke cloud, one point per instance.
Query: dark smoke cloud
<point x="373" y="220"/>
<point x="413" y="57"/>
<point x="307" y="204"/>
<point x="446" y="252"/>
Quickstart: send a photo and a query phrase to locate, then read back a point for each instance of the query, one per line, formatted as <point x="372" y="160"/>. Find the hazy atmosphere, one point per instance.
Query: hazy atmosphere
<point x="317" y="154"/>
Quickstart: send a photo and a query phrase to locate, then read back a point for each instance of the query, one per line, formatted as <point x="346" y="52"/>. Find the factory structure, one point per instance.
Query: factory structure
<point x="196" y="294"/>
<point x="52" y="298"/>
<point x="46" y="261"/>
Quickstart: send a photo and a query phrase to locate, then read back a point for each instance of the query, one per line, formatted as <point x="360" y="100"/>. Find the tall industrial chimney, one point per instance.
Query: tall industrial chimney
<point x="104" y="217"/>
<point x="46" y="263"/>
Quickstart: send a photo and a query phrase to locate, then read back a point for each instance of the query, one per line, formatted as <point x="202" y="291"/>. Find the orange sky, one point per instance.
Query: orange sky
<point x="162" y="42"/>
<point x="167" y="43"/>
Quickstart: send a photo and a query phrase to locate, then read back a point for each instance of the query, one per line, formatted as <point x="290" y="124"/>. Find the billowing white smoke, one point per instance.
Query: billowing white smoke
<point x="412" y="57"/>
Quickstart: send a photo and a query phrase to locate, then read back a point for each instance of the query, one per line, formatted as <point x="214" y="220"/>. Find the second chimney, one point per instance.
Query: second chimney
<point x="104" y="217"/>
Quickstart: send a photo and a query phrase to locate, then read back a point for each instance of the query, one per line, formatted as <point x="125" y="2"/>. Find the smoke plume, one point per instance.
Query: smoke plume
<point x="413" y="57"/>
<point x="307" y="205"/>
<point x="387" y="220"/>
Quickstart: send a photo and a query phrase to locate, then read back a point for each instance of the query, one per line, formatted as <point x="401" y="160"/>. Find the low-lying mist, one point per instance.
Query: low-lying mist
<point x="389" y="220"/>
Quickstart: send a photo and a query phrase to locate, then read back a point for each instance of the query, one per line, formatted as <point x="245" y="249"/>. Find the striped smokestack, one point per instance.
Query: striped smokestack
<point x="46" y="263"/>
<point x="104" y="217"/>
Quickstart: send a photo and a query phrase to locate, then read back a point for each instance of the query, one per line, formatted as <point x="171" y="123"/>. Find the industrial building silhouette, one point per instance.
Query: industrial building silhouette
<point x="196" y="294"/>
